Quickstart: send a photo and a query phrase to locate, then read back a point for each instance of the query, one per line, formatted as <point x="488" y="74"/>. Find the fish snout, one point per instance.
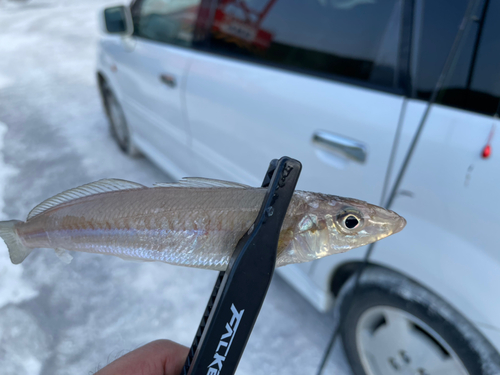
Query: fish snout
<point x="399" y="223"/>
<point x="388" y="221"/>
<point x="395" y="222"/>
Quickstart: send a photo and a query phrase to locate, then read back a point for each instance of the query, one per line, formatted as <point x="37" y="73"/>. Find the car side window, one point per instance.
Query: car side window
<point x="474" y="82"/>
<point x="484" y="82"/>
<point x="356" y="39"/>
<point x="436" y="26"/>
<point x="166" y="21"/>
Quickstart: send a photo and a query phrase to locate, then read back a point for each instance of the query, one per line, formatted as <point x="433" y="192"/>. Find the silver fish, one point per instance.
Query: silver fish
<point x="196" y="223"/>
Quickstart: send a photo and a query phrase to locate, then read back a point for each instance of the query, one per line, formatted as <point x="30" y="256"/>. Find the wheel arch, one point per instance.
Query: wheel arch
<point x="341" y="274"/>
<point x="101" y="79"/>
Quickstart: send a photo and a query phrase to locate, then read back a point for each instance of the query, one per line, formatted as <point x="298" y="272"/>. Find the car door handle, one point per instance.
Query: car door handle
<point x="338" y="144"/>
<point x="168" y="80"/>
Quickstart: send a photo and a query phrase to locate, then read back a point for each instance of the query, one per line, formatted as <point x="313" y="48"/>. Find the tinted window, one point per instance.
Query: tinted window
<point x="351" y="38"/>
<point x="436" y="26"/>
<point x="167" y="21"/>
<point x="474" y="81"/>
<point x="483" y="90"/>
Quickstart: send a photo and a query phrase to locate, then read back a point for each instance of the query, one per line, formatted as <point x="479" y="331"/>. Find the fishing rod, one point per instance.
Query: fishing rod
<point x="448" y="68"/>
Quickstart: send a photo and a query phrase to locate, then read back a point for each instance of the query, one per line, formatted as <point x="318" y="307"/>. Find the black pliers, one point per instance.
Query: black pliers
<point x="239" y="292"/>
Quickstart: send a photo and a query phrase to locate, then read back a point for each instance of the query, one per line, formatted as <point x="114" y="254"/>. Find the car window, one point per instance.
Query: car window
<point x="167" y="21"/>
<point x="484" y="87"/>
<point x="474" y="80"/>
<point x="349" y="38"/>
<point x="436" y="25"/>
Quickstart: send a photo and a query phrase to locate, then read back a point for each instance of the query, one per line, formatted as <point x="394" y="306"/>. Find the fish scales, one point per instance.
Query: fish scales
<point x="192" y="225"/>
<point x="197" y="226"/>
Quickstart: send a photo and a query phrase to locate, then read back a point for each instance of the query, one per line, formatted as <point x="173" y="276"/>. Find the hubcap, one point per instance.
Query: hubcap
<point x="117" y="120"/>
<point x="391" y="341"/>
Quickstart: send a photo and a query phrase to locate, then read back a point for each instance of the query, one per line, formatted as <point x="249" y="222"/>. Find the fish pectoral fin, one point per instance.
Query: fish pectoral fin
<point x="200" y="182"/>
<point x="64" y="255"/>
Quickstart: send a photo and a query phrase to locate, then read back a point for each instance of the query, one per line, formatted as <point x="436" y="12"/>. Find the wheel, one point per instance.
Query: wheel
<point x="117" y="123"/>
<point x="395" y="326"/>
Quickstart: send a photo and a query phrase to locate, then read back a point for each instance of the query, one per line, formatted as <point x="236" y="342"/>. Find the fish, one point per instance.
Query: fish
<point x="195" y="222"/>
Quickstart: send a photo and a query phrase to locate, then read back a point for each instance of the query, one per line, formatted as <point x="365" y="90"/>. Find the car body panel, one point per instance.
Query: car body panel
<point x="242" y="115"/>
<point x="450" y="243"/>
<point x="110" y="53"/>
<point x="154" y="110"/>
<point x="454" y="221"/>
<point x="227" y="118"/>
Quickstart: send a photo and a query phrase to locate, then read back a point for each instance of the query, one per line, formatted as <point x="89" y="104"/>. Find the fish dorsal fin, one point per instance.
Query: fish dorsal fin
<point x="200" y="182"/>
<point x="101" y="186"/>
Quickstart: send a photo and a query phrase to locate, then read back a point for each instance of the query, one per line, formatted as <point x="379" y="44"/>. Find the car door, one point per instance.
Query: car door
<point x="309" y="79"/>
<point x="447" y="137"/>
<point x="314" y="80"/>
<point x="152" y="75"/>
<point x="450" y="189"/>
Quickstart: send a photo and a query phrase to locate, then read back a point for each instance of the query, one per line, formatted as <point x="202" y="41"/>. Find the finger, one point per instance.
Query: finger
<point x="161" y="357"/>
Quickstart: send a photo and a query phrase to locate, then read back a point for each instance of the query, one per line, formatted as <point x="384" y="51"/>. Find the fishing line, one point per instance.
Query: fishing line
<point x="448" y="68"/>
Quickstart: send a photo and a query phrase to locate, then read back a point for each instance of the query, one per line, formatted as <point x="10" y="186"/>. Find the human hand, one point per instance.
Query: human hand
<point x="161" y="357"/>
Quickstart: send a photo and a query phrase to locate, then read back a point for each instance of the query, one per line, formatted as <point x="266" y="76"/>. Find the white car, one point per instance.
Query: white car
<point x="218" y="88"/>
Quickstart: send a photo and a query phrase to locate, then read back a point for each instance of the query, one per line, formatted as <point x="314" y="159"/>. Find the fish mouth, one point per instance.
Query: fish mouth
<point x="389" y="221"/>
<point x="399" y="224"/>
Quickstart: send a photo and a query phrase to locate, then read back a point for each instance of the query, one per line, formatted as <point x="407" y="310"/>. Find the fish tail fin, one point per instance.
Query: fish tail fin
<point x="17" y="251"/>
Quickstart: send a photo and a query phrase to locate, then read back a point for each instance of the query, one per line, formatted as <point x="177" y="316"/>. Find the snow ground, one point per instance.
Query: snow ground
<point x="72" y="319"/>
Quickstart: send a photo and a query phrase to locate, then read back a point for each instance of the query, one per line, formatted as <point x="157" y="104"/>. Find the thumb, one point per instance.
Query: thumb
<point x="161" y="357"/>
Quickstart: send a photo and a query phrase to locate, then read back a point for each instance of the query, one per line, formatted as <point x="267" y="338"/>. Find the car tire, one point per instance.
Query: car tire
<point x="394" y="325"/>
<point x="118" y="126"/>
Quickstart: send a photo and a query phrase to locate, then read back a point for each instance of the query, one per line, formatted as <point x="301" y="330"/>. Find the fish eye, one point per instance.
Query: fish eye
<point x="350" y="220"/>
